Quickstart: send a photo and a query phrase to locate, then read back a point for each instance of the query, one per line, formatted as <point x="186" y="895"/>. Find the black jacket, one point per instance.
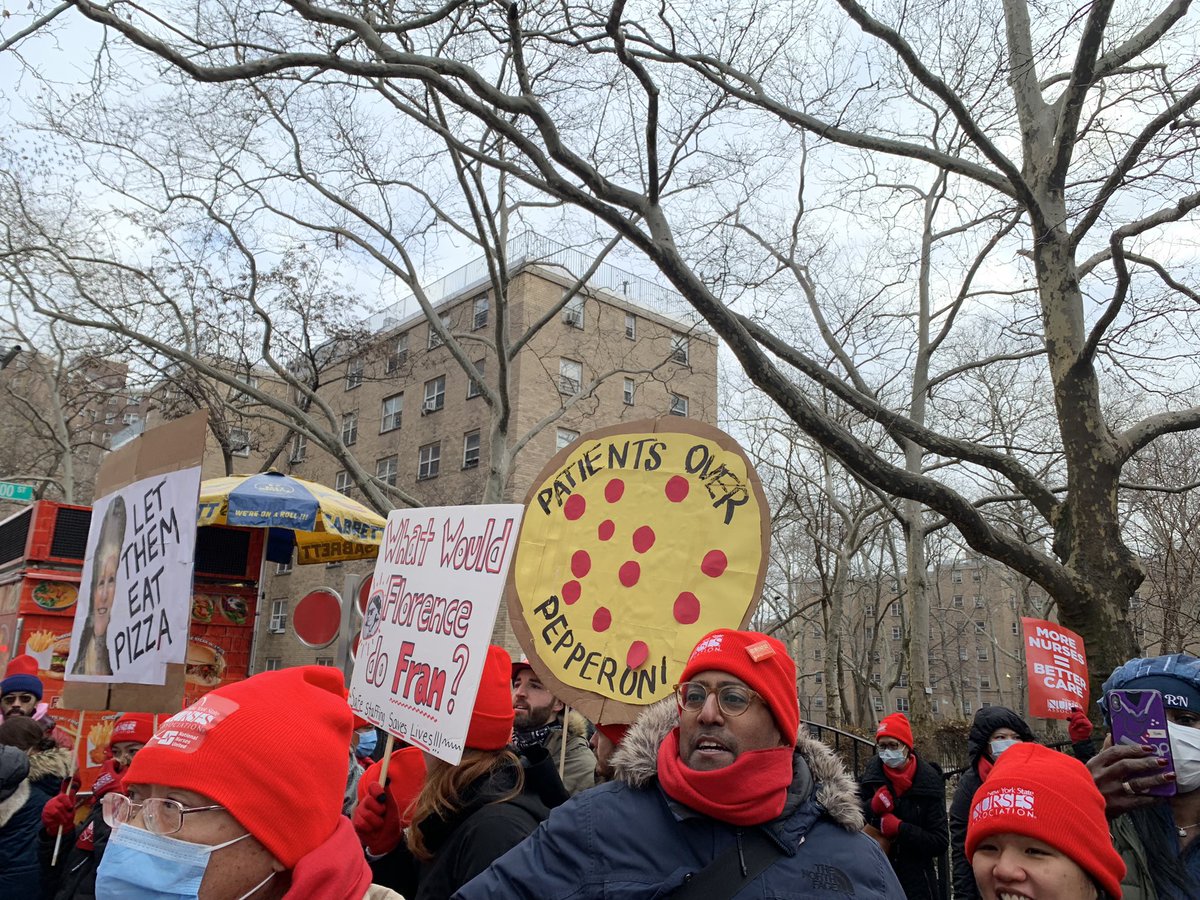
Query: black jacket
<point x="922" y="814"/>
<point x="466" y="843"/>
<point x="74" y="878"/>
<point x="987" y="720"/>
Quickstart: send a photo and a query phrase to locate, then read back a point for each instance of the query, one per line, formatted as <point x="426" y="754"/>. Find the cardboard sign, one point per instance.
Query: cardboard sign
<point x="638" y="540"/>
<point x="131" y="656"/>
<point x="428" y="622"/>
<point x="1056" y="669"/>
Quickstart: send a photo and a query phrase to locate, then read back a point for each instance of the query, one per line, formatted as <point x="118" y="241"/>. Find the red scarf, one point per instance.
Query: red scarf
<point x="984" y="767"/>
<point x="751" y="791"/>
<point x="902" y="778"/>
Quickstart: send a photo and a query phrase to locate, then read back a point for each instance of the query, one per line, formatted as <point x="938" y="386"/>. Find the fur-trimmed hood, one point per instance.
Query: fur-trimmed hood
<point x="576" y="725"/>
<point x="636" y="763"/>
<point x="54" y="764"/>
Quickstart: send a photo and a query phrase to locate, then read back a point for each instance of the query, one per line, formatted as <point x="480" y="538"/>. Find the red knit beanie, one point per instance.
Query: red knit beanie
<point x="1046" y="795"/>
<point x="896" y="727"/>
<point x="492" y="719"/>
<point x="405" y="778"/>
<point x="273" y="750"/>
<point x="133" y="727"/>
<point x="615" y="733"/>
<point x="760" y="661"/>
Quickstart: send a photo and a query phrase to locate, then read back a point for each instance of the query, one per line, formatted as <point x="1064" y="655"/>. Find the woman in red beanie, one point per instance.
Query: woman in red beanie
<point x="466" y="816"/>
<point x="904" y="800"/>
<point x="1037" y="831"/>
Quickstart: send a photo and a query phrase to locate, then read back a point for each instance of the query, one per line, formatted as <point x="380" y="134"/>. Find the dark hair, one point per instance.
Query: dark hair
<point x="1170" y="877"/>
<point x="25" y="734"/>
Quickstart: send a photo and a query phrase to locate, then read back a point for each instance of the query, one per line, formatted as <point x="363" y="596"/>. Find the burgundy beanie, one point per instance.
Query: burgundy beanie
<point x="272" y="750"/>
<point x="895" y="726"/>
<point x="133" y="727"/>
<point x="760" y="661"/>
<point x="1046" y="795"/>
<point x="492" y="719"/>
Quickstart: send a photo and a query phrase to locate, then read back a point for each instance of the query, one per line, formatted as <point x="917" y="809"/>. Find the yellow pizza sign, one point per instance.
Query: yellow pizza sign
<point x="637" y="541"/>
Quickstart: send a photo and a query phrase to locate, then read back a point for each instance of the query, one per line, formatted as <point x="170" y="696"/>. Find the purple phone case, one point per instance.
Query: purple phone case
<point x="1138" y="717"/>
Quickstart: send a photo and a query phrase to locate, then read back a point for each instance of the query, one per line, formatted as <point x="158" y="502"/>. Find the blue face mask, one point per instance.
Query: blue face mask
<point x="137" y="863"/>
<point x="366" y="742"/>
<point x="893" y="759"/>
<point x="998" y="747"/>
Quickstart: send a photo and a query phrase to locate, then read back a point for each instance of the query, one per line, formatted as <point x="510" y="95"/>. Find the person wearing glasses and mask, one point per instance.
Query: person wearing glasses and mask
<point x="994" y="730"/>
<point x="214" y="808"/>
<point x="717" y="792"/>
<point x="904" y="801"/>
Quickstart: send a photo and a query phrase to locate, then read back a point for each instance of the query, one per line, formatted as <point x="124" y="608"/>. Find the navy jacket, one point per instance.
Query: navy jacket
<point x="627" y="839"/>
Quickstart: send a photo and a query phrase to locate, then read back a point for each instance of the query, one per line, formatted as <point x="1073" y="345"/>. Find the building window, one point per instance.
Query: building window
<point x="393" y="412"/>
<point x="982" y="652"/>
<point x="679" y="348"/>
<point x="1016" y="628"/>
<point x="818" y="654"/>
<point x="272" y="664"/>
<point x="130" y="418"/>
<point x="902" y="704"/>
<point x="473" y="387"/>
<point x="278" y="616"/>
<point x="679" y="405"/>
<point x="435" y="340"/>
<point x="631" y="326"/>
<point x="573" y="312"/>
<point x="565" y="438"/>
<point x="877" y="704"/>
<point x="354" y="373"/>
<point x="903" y="682"/>
<point x="985" y="681"/>
<point x="479" y="312"/>
<point x="876" y="678"/>
<point x="979" y="601"/>
<point x="956" y="577"/>
<point x="870" y="632"/>
<point x="894" y="610"/>
<point x="385" y="469"/>
<point x="299" y="448"/>
<point x="350" y="428"/>
<point x="816" y="631"/>
<point x="958" y="601"/>
<point x="570" y="376"/>
<point x="875" y="657"/>
<point x="397" y="353"/>
<point x="110" y="417"/>
<point x="895" y="632"/>
<point x="962" y="654"/>
<point x="976" y="575"/>
<point x="283" y="568"/>
<point x="818" y="702"/>
<point x="435" y="395"/>
<point x="470" y="450"/>
<point x="429" y="458"/>
<point x="819" y="678"/>
<point x="966" y="707"/>
<point x="933" y="706"/>
<point x="980" y="626"/>
<point x="868" y="609"/>
<point x="341" y="482"/>
<point x="324" y="660"/>
<point x="628" y="392"/>
<point x="239" y="442"/>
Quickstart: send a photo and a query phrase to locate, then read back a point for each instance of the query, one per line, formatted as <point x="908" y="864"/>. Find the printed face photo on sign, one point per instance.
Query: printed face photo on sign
<point x="92" y="657"/>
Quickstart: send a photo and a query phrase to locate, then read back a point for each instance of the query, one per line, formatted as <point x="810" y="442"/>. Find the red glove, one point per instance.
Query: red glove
<point x="1079" y="726"/>
<point x="377" y="821"/>
<point x="59" y="811"/>
<point x="890" y="826"/>
<point x="882" y="803"/>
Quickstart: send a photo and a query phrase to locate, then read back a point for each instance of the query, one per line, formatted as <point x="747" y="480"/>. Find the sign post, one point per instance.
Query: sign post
<point x="12" y="491"/>
<point x="434" y="598"/>
<point x="1056" y="669"/>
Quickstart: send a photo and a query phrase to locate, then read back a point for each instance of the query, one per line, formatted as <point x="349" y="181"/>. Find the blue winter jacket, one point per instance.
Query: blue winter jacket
<point x="628" y="840"/>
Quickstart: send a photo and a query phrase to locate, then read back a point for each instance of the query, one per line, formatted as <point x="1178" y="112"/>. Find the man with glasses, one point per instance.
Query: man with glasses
<point x="717" y="791"/>
<point x="21" y="689"/>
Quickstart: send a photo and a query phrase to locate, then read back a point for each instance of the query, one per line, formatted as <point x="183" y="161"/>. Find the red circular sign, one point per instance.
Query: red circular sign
<point x="318" y="617"/>
<point x="364" y="592"/>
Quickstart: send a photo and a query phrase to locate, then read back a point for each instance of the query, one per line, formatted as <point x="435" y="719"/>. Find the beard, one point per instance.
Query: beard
<point x="534" y="717"/>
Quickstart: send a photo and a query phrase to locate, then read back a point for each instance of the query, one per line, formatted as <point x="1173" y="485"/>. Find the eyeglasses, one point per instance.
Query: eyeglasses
<point x="162" y="816"/>
<point x="732" y="699"/>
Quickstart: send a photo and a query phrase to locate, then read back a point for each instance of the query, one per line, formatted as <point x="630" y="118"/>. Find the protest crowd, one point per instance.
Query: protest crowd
<point x="272" y="787"/>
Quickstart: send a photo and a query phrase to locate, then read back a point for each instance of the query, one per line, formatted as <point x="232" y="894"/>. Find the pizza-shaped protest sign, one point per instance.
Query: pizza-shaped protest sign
<point x="637" y="541"/>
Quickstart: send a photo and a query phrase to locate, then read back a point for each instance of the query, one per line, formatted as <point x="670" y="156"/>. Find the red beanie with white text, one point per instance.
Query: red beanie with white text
<point x="273" y="750"/>
<point x="134" y="728"/>
<point x="759" y="660"/>
<point x="896" y="727"/>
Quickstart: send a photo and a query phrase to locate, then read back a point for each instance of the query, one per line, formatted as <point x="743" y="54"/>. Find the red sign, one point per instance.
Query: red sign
<point x="1056" y="667"/>
<point x="318" y="618"/>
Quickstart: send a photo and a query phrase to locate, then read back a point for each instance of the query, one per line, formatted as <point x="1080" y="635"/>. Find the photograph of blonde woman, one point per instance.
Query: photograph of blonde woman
<point x="92" y="656"/>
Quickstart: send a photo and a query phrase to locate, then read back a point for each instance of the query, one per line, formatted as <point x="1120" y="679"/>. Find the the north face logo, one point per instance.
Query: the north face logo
<point x="829" y="878"/>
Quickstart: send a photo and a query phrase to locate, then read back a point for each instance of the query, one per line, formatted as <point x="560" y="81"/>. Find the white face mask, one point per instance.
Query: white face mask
<point x="1185" y="749"/>
<point x="998" y="747"/>
<point x="893" y="759"/>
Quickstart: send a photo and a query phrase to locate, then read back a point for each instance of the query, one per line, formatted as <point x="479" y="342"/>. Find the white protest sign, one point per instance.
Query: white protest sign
<point x="437" y="588"/>
<point x="135" y="598"/>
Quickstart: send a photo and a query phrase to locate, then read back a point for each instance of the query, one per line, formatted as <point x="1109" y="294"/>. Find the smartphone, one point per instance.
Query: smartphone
<point x="1139" y="718"/>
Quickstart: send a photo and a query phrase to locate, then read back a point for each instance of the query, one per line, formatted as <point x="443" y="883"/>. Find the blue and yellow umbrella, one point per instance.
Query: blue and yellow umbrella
<point x="323" y="525"/>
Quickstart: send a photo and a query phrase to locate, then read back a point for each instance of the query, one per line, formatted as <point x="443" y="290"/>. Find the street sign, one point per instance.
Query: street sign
<point x="11" y="491"/>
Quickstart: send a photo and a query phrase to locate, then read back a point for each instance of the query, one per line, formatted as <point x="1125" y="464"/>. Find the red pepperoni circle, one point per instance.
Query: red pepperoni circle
<point x="677" y="488"/>
<point x="687" y="608"/>
<point x="629" y="573"/>
<point x="643" y="539"/>
<point x="581" y="563"/>
<point x="606" y="529"/>
<point x="714" y="563"/>
<point x="574" y="507"/>
<point x="570" y="592"/>
<point x="601" y="619"/>
<point x="613" y="490"/>
<point x="638" y="652"/>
